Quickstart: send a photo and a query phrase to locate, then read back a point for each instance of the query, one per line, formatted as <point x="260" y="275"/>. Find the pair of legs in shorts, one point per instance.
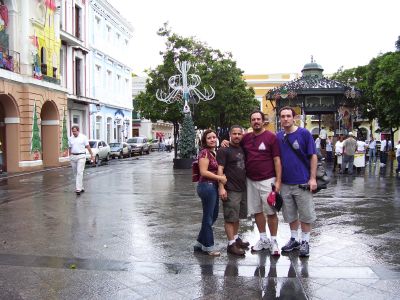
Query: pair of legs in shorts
<point x="235" y="208"/>
<point x="298" y="206"/>
<point x="257" y="193"/>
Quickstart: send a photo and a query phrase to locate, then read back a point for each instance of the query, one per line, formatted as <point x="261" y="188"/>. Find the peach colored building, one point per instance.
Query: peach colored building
<point x="29" y="78"/>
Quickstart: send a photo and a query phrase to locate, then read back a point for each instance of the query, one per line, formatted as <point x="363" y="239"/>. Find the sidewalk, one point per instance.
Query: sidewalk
<point x="130" y="236"/>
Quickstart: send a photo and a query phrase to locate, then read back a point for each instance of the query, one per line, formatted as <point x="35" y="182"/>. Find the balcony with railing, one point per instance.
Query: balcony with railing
<point x="9" y="60"/>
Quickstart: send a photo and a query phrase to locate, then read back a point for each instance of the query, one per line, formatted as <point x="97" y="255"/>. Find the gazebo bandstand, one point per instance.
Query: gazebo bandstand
<point x="314" y="94"/>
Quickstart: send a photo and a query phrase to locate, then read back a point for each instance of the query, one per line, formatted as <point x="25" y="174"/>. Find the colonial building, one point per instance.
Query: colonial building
<point x="74" y="67"/>
<point x="110" y="75"/>
<point x="32" y="100"/>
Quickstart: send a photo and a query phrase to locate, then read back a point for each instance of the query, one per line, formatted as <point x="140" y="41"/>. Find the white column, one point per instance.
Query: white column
<point x="24" y="38"/>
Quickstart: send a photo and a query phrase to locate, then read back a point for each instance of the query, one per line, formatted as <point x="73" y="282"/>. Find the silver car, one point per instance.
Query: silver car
<point x="139" y="145"/>
<point x="120" y="150"/>
<point x="101" y="151"/>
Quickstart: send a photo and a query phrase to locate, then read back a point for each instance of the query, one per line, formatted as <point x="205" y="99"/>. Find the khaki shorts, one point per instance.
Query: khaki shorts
<point x="257" y="193"/>
<point x="298" y="204"/>
<point x="235" y="207"/>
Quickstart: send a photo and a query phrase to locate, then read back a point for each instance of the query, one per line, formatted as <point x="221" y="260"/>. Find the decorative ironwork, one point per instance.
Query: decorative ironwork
<point x="184" y="87"/>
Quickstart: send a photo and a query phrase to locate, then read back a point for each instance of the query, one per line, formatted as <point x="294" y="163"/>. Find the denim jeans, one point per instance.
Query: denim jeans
<point x="348" y="159"/>
<point x="372" y="155"/>
<point x="208" y="192"/>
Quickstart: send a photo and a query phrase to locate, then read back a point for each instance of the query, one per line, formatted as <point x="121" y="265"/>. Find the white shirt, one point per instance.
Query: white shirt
<point x="383" y="145"/>
<point x="323" y="134"/>
<point x="318" y="143"/>
<point x="78" y="144"/>
<point x="339" y="147"/>
<point x="397" y="150"/>
<point x="360" y="146"/>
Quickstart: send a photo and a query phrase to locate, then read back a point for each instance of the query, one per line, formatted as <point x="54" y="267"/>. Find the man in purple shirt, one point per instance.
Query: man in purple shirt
<point x="299" y="168"/>
<point x="263" y="168"/>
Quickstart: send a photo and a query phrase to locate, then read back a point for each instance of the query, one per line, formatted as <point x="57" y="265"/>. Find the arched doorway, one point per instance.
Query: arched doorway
<point x="50" y="132"/>
<point x="9" y="133"/>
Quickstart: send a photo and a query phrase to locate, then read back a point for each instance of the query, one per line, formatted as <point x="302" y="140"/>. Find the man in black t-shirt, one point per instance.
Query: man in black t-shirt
<point x="231" y="162"/>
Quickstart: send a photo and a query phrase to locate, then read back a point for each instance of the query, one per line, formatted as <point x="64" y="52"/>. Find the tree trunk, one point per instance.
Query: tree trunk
<point x="176" y="135"/>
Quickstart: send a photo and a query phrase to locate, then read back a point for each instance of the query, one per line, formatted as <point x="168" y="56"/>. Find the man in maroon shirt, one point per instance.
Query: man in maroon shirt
<point x="263" y="168"/>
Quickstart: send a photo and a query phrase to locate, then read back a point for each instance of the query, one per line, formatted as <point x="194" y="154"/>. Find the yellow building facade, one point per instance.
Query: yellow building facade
<point x="262" y="83"/>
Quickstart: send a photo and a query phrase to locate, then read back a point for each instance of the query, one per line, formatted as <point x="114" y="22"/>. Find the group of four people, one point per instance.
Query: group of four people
<point x="245" y="170"/>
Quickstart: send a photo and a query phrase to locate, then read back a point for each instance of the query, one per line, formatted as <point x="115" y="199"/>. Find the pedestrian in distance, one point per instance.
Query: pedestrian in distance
<point x="231" y="162"/>
<point x="398" y="157"/>
<point x="323" y="135"/>
<point x="338" y="152"/>
<point x="299" y="168"/>
<point x="168" y="144"/>
<point x="372" y="151"/>
<point x="329" y="149"/>
<point x="77" y="144"/>
<point x="349" y="149"/>
<point x="318" y="146"/>
<point x="207" y="190"/>
<point x="263" y="169"/>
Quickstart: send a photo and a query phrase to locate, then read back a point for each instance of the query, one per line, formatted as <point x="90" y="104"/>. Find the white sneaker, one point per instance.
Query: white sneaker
<point x="260" y="245"/>
<point x="275" y="249"/>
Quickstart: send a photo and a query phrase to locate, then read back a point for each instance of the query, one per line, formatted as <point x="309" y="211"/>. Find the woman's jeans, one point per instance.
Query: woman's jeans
<point x="208" y="192"/>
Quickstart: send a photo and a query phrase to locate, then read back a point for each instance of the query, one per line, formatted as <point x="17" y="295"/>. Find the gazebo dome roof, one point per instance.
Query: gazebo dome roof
<point x="312" y="66"/>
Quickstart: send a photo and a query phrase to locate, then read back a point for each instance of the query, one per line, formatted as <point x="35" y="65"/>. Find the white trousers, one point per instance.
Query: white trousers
<point x="78" y="166"/>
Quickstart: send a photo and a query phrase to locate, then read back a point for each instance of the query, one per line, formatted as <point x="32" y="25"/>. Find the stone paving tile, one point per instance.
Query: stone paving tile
<point x="328" y="293"/>
<point x="130" y="278"/>
<point x="373" y="294"/>
<point x="125" y="294"/>
<point x="391" y="286"/>
<point x="346" y="286"/>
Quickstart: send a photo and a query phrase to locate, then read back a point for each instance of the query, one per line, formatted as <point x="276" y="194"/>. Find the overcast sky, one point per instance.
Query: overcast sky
<point x="268" y="36"/>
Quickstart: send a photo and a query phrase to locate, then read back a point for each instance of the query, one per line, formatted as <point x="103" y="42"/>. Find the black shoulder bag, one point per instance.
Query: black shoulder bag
<point x="322" y="176"/>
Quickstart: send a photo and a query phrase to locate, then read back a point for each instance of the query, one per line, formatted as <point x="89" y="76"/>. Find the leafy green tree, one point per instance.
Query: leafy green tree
<point x="233" y="100"/>
<point x="380" y="85"/>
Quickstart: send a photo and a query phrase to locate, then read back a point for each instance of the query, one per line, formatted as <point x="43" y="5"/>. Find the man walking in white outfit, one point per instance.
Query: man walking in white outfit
<point x="77" y="143"/>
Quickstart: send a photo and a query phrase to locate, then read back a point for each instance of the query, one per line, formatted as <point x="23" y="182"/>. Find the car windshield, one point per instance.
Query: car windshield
<point x="114" y="144"/>
<point x="93" y="144"/>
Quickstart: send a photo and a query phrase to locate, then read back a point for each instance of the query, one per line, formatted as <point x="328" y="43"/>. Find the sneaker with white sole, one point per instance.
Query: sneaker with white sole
<point x="274" y="249"/>
<point x="291" y="245"/>
<point x="261" y="245"/>
<point x="304" y="249"/>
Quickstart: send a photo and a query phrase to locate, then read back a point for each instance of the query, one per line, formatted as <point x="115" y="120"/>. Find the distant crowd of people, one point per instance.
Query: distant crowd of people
<point x="342" y="150"/>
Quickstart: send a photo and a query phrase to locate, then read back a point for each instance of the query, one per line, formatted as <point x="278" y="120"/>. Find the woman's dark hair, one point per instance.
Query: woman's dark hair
<point x="204" y="137"/>
<point x="257" y="112"/>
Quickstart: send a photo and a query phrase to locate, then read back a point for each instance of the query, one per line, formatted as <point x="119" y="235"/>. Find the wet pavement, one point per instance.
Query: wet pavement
<point x="131" y="236"/>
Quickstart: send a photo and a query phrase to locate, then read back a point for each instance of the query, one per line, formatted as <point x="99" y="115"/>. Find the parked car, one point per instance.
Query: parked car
<point x="101" y="151"/>
<point x="139" y="145"/>
<point x="156" y="145"/>
<point x="120" y="150"/>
